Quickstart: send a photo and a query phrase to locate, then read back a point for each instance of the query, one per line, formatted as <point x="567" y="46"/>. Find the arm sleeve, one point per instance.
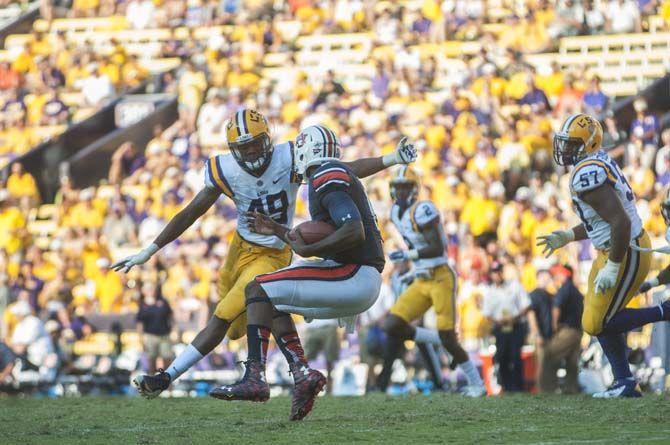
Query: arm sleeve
<point x="591" y="175"/>
<point x="340" y="207"/>
<point x="424" y="214"/>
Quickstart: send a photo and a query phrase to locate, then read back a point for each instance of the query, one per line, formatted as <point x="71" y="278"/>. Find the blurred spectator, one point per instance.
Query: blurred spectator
<point x="622" y="16"/>
<point x="564" y="346"/>
<point x="595" y="101"/>
<point x="139" y="13"/>
<point x="322" y="336"/>
<point x="154" y="323"/>
<point x="614" y="138"/>
<point x="330" y="87"/>
<point x="644" y="132"/>
<point x="56" y="112"/>
<point x="192" y="86"/>
<point x="97" y="87"/>
<point x="107" y="288"/>
<point x="663" y="154"/>
<point x="505" y="305"/>
<point x="119" y="227"/>
<point x="540" y="320"/>
<point x="32" y="343"/>
<point x="126" y="160"/>
<point x="211" y="119"/>
<point x="21" y="184"/>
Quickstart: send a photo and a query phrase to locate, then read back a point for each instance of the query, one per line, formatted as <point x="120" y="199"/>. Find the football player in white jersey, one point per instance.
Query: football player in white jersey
<point x="259" y="177"/>
<point x="663" y="277"/>
<point x="434" y="282"/>
<point x="605" y="203"/>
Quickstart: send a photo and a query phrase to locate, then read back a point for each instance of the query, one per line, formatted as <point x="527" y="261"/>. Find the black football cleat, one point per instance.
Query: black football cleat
<point x="253" y="386"/>
<point x="308" y="384"/>
<point x="150" y="386"/>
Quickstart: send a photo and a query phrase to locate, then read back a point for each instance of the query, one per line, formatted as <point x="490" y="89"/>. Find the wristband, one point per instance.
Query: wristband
<point x="570" y="234"/>
<point x="390" y="159"/>
<point x="654" y="282"/>
<point x="413" y="254"/>
<point x="152" y="248"/>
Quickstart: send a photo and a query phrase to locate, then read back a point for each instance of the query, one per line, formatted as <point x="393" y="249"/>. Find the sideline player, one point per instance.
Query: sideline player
<point x="343" y="284"/>
<point x="434" y="283"/>
<point x="605" y="203"/>
<point x="258" y="177"/>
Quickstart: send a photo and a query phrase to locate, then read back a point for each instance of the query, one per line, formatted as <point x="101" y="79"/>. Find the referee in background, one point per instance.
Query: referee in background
<point x="505" y="305"/>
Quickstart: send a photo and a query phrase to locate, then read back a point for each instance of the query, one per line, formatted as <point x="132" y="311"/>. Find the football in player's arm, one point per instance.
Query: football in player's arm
<point x="240" y="175"/>
<point x="343" y="282"/>
<point x="404" y="153"/>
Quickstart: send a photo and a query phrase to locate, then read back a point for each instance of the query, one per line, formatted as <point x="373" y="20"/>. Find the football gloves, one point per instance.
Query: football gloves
<point x="135" y="260"/>
<point x="606" y="277"/>
<point x="648" y="285"/>
<point x="405" y="153"/>
<point x="554" y="241"/>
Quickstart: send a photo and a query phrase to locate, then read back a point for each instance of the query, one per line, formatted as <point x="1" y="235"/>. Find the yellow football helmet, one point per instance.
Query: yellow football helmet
<point x="404" y="186"/>
<point x="249" y="141"/>
<point x="579" y="136"/>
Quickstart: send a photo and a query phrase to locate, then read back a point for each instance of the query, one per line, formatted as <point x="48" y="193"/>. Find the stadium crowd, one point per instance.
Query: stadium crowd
<point x="483" y="132"/>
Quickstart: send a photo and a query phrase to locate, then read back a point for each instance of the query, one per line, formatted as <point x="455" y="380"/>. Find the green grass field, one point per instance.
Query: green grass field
<point x="374" y="419"/>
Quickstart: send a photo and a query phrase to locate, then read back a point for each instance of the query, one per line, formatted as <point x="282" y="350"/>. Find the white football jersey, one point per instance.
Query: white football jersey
<point x="590" y="173"/>
<point x="273" y="193"/>
<point x="409" y="225"/>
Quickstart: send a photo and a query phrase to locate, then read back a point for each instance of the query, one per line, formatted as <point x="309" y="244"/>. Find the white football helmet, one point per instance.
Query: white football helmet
<point x="313" y="146"/>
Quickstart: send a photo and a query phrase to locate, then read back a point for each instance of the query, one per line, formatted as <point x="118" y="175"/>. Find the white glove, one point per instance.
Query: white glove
<point x="555" y="240"/>
<point x="404" y="153"/>
<point x="606" y="277"/>
<point x="135" y="260"/>
<point x="648" y="285"/>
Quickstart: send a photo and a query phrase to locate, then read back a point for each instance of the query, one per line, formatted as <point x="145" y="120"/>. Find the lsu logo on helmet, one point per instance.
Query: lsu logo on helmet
<point x="248" y="137"/>
<point x="579" y="136"/>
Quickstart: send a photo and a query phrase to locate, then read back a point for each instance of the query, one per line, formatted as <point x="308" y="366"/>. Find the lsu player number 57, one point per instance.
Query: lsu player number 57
<point x="605" y="203"/>
<point x="259" y="177"/>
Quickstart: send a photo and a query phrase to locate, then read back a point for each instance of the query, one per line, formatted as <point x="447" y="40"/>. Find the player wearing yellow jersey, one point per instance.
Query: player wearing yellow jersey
<point x="605" y="203"/>
<point x="258" y="177"/>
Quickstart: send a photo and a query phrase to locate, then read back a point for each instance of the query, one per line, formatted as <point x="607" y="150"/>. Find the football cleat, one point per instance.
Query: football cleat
<point x="620" y="388"/>
<point x="253" y="386"/>
<point x="474" y="391"/>
<point x="150" y="386"/>
<point x="308" y="384"/>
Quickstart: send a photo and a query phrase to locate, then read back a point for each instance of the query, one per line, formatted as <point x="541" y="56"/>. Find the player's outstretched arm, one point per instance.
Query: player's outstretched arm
<point x="663" y="278"/>
<point x="177" y="225"/>
<point x="404" y="153"/>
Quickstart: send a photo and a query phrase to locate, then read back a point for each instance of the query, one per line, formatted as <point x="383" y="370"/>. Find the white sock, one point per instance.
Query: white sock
<point x="423" y="335"/>
<point x="471" y="373"/>
<point x="189" y="357"/>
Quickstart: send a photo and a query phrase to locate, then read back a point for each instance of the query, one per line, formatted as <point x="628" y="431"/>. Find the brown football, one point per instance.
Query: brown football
<point x="312" y="231"/>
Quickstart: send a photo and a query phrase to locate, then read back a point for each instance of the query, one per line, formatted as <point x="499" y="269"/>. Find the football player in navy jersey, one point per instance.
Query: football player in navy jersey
<point x="344" y="282"/>
<point x="257" y="176"/>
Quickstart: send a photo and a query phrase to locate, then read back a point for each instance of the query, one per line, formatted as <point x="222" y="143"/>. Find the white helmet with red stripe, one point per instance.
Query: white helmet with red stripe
<point x="313" y="146"/>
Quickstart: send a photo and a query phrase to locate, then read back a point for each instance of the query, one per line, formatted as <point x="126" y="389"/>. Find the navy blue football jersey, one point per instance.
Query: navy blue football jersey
<point x="330" y="180"/>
